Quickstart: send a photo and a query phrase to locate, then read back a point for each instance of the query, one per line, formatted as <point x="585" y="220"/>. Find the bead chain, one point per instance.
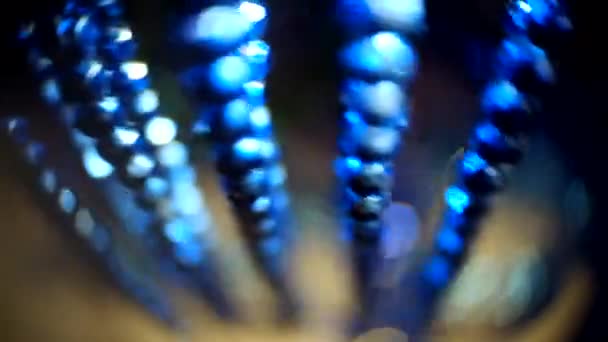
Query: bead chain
<point x="521" y="71"/>
<point x="88" y="226"/>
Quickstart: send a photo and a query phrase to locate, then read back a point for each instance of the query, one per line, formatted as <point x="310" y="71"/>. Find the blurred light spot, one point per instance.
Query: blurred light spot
<point x="524" y="6"/>
<point x="260" y="117"/>
<point x="488" y="133"/>
<point x="155" y="188"/>
<point x="146" y="102"/>
<point x="160" y="130"/>
<point x="124" y="35"/>
<point x="140" y="165"/>
<point x="178" y="231"/>
<point x="48" y="181"/>
<point x="438" y="271"/>
<point x="125" y="136"/>
<point x="217" y="27"/>
<point x="502" y="95"/>
<point x="34" y="152"/>
<point x="449" y="241"/>
<point x="187" y="199"/>
<point x="254" y="89"/>
<point x="109" y="104"/>
<point x="229" y="73"/>
<point x="405" y="15"/>
<point x="190" y="253"/>
<point x="67" y="201"/>
<point x="84" y="223"/>
<point x="472" y="162"/>
<point x="256" y="51"/>
<point x="95" y="166"/>
<point x="134" y="70"/>
<point x="261" y="205"/>
<point x="252" y="11"/>
<point x="457" y="199"/>
<point x="172" y="155"/>
<point x="386" y="41"/>
<point x="51" y="91"/>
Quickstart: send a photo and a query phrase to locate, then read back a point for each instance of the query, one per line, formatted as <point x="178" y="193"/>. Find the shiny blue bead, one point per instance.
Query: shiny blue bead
<point x="119" y="44"/>
<point x="368" y="142"/>
<point x="494" y="146"/>
<point x="449" y="241"/>
<point x="438" y="272"/>
<point x="518" y="55"/>
<point x="227" y="75"/>
<point x="385" y="55"/>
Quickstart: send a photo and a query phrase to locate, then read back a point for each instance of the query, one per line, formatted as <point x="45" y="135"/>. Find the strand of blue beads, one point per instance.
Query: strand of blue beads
<point x="378" y="64"/>
<point x="227" y="81"/>
<point x="97" y="236"/>
<point x="120" y="111"/>
<point x="522" y="71"/>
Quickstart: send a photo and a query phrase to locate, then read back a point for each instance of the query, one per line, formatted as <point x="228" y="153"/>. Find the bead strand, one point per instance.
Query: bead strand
<point x="227" y="80"/>
<point x="97" y="236"/>
<point x="521" y="72"/>
<point x="140" y="144"/>
<point x="378" y="64"/>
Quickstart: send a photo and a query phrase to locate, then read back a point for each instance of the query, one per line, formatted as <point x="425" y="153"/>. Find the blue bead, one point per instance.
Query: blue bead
<point x="368" y="142"/>
<point x="228" y="74"/>
<point x="438" y="272"/>
<point x="216" y="28"/>
<point x="518" y="55"/>
<point x="450" y="242"/>
<point x="385" y="55"/>
<point x="457" y="199"/>
<point x="381" y="103"/>
<point x="257" y="54"/>
<point x="119" y="44"/>
<point x="189" y="254"/>
<point x="494" y="146"/>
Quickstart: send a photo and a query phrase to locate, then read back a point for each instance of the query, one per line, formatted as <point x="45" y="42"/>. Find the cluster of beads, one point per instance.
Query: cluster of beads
<point x="378" y="62"/>
<point x="498" y="141"/>
<point x="116" y="106"/>
<point x="227" y="83"/>
<point x="97" y="236"/>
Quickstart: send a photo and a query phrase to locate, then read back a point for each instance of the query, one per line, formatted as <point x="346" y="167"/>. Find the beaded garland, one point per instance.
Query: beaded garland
<point x="522" y="67"/>
<point x="97" y="236"/>
<point x="112" y="103"/>
<point x="226" y="80"/>
<point x="378" y="63"/>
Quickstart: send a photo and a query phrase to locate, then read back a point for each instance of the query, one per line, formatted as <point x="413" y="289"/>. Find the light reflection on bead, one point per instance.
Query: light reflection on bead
<point x="253" y="11"/>
<point x="217" y="26"/>
<point x="140" y="166"/>
<point x="134" y="71"/>
<point x="48" y="181"/>
<point x="67" y="201"/>
<point x="84" y="223"/>
<point x="190" y="253"/>
<point x="146" y="102"/>
<point x="457" y="199"/>
<point x="124" y="136"/>
<point x="229" y="74"/>
<point x="95" y="166"/>
<point x="384" y="100"/>
<point x="450" y="242"/>
<point x="438" y="271"/>
<point x="383" y="55"/>
<point x="160" y="130"/>
<point x="174" y="154"/>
